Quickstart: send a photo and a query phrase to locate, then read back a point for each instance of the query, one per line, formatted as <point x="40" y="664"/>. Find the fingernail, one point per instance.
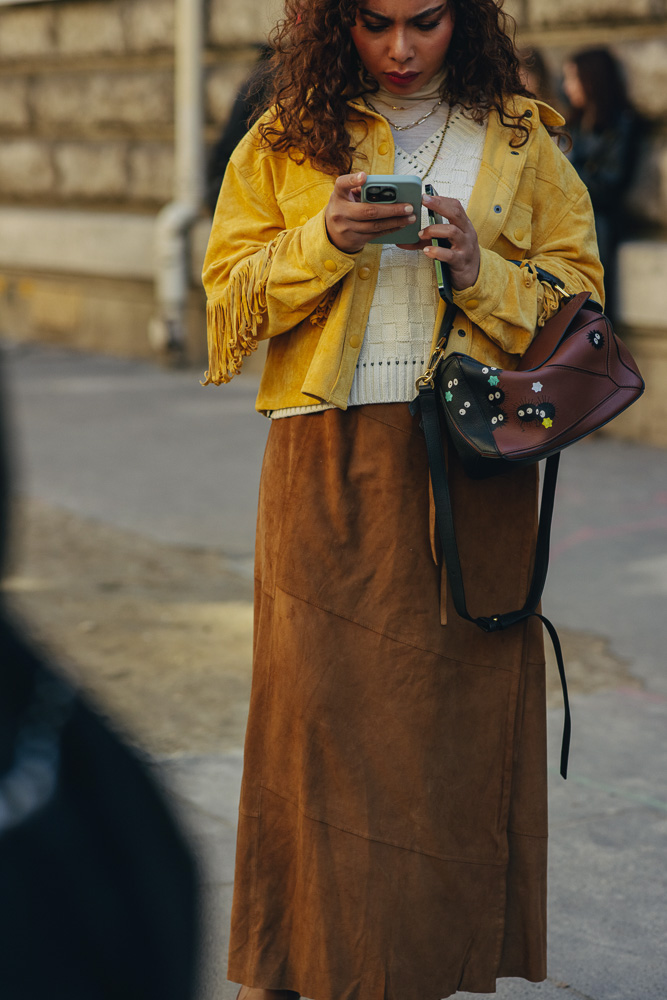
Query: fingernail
<point x="427" y="199"/>
<point x="413" y="218"/>
<point x="427" y="249"/>
<point x="360" y="177"/>
<point x="407" y="208"/>
<point x="421" y="234"/>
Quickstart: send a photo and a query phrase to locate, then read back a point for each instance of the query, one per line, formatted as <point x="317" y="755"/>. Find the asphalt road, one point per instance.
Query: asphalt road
<point x="150" y="450"/>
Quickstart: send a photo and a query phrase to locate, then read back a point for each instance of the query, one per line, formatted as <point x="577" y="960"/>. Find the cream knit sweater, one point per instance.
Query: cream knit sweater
<point x="400" y="324"/>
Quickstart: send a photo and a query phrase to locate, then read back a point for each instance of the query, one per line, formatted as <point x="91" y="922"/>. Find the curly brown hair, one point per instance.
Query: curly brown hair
<point x="317" y="71"/>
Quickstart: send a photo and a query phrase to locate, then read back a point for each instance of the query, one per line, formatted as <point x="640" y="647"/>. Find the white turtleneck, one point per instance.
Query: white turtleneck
<point x="398" y="334"/>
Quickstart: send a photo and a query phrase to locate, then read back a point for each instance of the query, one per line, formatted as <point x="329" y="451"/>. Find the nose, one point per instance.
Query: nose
<point x="400" y="46"/>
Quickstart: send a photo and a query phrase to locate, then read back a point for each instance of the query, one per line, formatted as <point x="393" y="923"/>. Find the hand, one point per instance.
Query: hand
<point x="463" y="255"/>
<point x="351" y="223"/>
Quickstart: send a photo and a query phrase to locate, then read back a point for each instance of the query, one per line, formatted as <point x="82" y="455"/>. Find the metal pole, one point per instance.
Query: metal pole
<point x="167" y="329"/>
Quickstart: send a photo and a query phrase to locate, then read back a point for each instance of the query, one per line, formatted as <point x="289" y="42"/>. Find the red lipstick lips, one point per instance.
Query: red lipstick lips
<point x="401" y="79"/>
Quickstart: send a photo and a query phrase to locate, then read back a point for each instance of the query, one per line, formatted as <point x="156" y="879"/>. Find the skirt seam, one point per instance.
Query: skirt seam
<point x="388" y="635"/>
<point x="387" y="423"/>
<point x="501" y="863"/>
<point x="532" y="836"/>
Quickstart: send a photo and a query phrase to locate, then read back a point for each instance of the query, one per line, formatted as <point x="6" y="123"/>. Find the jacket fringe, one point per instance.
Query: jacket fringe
<point x="233" y="320"/>
<point x="321" y="312"/>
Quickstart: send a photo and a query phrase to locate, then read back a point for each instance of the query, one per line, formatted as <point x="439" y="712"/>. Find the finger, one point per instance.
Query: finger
<point x="348" y="185"/>
<point x="448" y="256"/>
<point x="390" y="225"/>
<point x="444" y="231"/>
<point x="369" y="211"/>
<point x="449" y="208"/>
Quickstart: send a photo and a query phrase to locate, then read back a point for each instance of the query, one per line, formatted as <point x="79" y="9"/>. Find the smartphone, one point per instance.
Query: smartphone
<point x="389" y="189"/>
<point x="441" y="269"/>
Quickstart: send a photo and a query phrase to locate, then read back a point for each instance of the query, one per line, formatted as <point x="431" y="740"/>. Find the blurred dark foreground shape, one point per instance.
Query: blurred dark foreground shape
<point x="98" y="890"/>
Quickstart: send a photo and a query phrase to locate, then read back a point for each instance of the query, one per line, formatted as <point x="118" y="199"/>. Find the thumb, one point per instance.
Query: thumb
<point x="347" y="183"/>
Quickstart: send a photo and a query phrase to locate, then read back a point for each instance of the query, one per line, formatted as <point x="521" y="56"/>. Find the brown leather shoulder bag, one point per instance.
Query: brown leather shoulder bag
<point x="576" y="376"/>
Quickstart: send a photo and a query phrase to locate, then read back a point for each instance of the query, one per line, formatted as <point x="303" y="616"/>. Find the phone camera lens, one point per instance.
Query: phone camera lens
<point x="378" y="192"/>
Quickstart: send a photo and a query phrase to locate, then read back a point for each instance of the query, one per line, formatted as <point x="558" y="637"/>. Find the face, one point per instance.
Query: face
<point x="572" y="86"/>
<point x="403" y="43"/>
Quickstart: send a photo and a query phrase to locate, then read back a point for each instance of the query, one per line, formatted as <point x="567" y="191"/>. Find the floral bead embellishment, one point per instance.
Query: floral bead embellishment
<point x="448" y="396"/>
<point x="493" y="380"/>
<point x="537" y="387"/>
<point x="596" y="339"/>
<point x="547" y="422"/>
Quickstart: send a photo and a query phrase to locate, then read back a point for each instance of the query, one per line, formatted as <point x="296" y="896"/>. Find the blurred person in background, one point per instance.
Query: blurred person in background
<point x="98" y="889"/>
<point x="251" y="100"/>
<point x="535" y="76"/>
<point x="605" y="131"/>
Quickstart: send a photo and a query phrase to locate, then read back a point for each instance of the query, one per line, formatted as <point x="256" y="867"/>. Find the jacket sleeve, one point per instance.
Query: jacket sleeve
<point x="261" y="278"/>
<point x="509" y="303"/>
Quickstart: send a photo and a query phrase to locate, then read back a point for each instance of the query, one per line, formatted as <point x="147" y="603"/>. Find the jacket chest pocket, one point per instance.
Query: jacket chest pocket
<point x="517" y="231"/>
<point x="298" y="209"/>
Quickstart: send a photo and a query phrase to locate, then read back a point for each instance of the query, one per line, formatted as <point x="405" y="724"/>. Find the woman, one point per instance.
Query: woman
<point x="535" y="75"/>
<point x="392" y="832"/>
<point x="605" y="133"/>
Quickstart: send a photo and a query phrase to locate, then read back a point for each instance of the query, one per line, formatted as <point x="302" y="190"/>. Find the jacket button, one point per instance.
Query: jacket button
<point x="355" y="341"/>
<point x="462" y="333"/>
<point x="472" y="303"/>
<point x="519" y="234"/>
<point x="364" y="272"/>
<point x="383" y="148"/>
<point x="303" y="220"/>
<point x="330" y="266"/>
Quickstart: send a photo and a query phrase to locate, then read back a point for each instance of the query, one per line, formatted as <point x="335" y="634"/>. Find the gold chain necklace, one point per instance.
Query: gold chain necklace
<point x="442" y="139"/>
<point x="403" y="128"/>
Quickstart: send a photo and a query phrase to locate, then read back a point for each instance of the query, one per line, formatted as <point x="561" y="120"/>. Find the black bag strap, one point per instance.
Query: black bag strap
<point x="444" y="518"/>
<point x="445" y="522"/>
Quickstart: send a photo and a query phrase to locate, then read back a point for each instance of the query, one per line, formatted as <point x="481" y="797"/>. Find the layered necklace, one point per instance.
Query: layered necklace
<point x="418" y="121"/>
<point x="402" y="128"/>
<point x="429" y="96"/>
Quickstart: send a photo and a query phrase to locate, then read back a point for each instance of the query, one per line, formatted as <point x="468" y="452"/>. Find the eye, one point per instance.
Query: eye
<point x="427" y="25"/>
<point x="375" y="28"/>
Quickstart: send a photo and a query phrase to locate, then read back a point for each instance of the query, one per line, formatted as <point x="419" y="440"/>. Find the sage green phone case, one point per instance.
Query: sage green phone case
<point x="392" y="189"/>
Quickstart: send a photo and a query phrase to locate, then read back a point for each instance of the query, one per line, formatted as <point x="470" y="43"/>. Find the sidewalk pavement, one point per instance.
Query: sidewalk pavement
<point x="152" y="451"/>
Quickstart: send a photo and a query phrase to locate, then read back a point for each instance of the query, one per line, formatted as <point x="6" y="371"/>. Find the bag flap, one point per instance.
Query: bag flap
<point x="552" y="333"/>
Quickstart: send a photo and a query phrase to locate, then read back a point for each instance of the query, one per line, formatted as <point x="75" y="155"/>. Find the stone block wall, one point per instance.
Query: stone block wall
<point x="86" y="96"/>
<point x="86" y="101"/>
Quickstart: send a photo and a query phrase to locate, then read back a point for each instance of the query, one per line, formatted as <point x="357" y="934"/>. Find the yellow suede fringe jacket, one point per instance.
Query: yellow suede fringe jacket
<point x="271" y="272"/>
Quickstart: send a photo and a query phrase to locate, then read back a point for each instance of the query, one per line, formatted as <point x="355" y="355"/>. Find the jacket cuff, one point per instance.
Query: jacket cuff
<point x="481" y="299"/>
<point x="328" y="262"/>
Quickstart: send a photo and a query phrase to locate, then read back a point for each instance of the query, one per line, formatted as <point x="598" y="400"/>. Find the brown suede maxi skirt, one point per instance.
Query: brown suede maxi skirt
<point x="393" y="823"/>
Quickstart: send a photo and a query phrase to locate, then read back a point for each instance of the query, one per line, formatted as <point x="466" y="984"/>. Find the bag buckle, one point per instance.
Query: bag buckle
<point x="426" y="381"/>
